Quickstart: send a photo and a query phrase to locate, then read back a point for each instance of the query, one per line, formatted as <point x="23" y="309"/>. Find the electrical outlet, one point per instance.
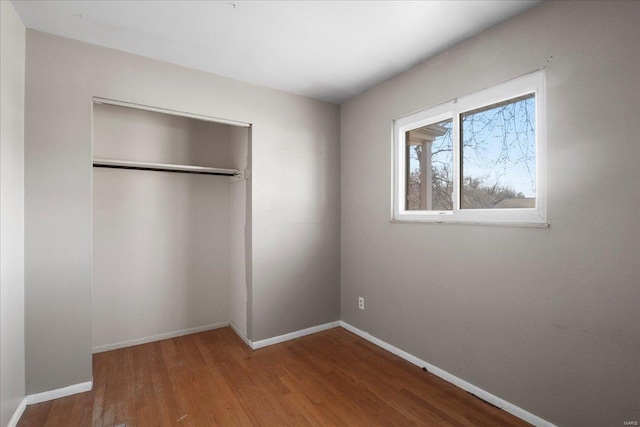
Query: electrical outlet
<point x="361" y="303"/>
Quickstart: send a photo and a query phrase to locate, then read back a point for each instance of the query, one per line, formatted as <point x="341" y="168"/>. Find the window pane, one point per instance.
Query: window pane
<point x="499" y="155"/>
<point x="429" y="180"/>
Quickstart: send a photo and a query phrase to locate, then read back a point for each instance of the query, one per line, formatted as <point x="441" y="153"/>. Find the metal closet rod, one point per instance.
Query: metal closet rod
<point x="164" y="170"/>
<point x="161" y="167"/>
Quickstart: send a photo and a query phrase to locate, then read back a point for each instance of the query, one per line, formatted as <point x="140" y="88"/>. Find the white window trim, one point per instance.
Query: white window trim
<point x="531" y="83"/>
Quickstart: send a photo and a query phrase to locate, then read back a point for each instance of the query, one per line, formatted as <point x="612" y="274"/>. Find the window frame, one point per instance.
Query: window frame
<point x="530" y="83"/>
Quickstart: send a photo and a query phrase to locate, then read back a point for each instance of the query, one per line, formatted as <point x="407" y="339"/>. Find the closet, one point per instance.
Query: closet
<point x="168" y="224"/>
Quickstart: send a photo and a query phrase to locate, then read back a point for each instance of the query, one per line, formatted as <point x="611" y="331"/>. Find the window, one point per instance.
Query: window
<point x="479" y="158"/>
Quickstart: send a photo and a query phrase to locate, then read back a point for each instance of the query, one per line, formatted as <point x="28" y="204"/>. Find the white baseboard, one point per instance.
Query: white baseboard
<point x="59" y="392"/>
<point x="293" y="335"/>
<point x="242" y="336"/>
<point x="482" y="394"/>
<point x="13" y="422"/>
<point x="159" y="337"/>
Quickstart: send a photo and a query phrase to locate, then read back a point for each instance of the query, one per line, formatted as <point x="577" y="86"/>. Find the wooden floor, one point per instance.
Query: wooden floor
<point x="213" y="378"/>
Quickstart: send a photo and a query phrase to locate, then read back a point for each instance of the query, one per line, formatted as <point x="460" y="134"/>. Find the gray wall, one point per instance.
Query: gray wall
<point x="547" y="319"/>
<point x="294" y="200"/>
<point x="12" y="75"/>
<point x="161" y="241"/>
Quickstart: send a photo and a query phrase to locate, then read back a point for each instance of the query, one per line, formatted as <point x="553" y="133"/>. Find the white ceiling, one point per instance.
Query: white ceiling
<point x="329" y="50"/>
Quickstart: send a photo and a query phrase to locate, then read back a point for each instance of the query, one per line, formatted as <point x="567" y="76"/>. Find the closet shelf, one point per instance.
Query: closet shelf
<point x="164" y="167"/>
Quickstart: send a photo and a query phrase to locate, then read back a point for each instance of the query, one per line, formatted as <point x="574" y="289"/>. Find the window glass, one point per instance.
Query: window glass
<point x="499" y="155"/>
<point x="429" y="159"/>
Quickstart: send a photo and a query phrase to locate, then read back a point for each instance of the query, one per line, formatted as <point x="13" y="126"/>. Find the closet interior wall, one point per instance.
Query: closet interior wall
<point x="239" y="230"/>
<point x="168" y="248"/>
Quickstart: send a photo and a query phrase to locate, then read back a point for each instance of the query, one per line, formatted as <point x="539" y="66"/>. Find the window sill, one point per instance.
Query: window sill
<point x="482" y="223"/>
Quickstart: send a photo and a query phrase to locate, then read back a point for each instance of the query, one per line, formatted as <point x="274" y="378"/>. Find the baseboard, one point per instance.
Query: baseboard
<point x="159" y="337"/>
<point x="293" y="335"/>
<point x="242" y="336"/>
<point x="59" y="392"/>
<point x="482" y="394"/>
<point x="15" y="418"/>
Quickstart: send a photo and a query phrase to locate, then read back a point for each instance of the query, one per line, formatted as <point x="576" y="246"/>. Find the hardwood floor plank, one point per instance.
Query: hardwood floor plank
<point x="332" y="378"/>
<point x="36" y="415"/>
<point x="60" y="411"/>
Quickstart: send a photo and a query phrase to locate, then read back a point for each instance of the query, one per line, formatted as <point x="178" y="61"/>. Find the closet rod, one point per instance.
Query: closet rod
<point x="164" y="170"/>
<point x="163" y="167"/>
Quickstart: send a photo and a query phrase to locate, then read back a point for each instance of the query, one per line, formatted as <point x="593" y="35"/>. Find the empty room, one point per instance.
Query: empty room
<point x="305" y="213"/>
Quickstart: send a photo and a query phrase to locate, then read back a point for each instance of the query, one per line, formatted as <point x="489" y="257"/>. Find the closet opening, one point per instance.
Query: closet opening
<point x="171" y="215"/>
